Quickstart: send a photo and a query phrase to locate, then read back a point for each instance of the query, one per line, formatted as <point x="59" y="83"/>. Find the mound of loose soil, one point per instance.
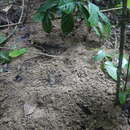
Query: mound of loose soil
<point x="65" y="90"/>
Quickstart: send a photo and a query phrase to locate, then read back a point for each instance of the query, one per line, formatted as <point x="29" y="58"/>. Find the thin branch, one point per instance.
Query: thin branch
<point x="48" y="55"/>
<point x="9" y="25"/>
<point x="20" y="20"/>
<point x="43" y="55"/>
<point x="111" y="9"/>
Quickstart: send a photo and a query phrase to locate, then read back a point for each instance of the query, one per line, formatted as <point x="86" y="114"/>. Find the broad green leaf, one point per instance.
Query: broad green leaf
<point x="84" y="9"/>
<point x="4" y="57"/>
<point x="47" y="24"/>
<point x="100" y="55"/>
<point x="124" y="63"/>
<point x="105" y="24"/>
<point x="103" y="17"/>
<point x="107" y="30"/>
<point x="98" y="21"/>
<point x="85" y="13"/>
<point x="111" y="69"/>
<point x="67" y="6"/>
<point x="37" y="17"/>
<point x="67" y="23"/>
<point x="103" y="29"/>
<point x="122" y="97"/>
<point x="93" y="11"/>
<point x="102" y="67"/>
<point x="2" y="38"/>
<point x="47" y="5"/>
<point x="17" y="52"/>
<point x="128" y="4"/>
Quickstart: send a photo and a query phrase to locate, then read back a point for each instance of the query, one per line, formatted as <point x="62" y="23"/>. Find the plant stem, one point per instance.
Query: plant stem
<point x="121" y="47"/>
<point x="127" y="74"/>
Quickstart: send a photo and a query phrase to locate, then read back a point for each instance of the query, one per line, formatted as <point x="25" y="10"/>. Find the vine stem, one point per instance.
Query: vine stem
<point x="121" y="48"/>
<point x="127" y="74"/>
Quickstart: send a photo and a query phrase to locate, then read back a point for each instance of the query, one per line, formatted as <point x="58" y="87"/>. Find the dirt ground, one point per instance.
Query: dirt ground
<point x="64" y="91"/>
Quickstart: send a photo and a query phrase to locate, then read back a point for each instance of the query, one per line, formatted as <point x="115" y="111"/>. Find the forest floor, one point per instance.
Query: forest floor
<point x="65" y="90"/>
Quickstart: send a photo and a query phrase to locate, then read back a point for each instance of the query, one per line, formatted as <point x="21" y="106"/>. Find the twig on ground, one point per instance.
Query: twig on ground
<point x="43" y="55"/>
<point x="48" y="55"/>
<point x="111" y="9"/>
<point x="9" y="25"/>
<point x="20" y="20"/>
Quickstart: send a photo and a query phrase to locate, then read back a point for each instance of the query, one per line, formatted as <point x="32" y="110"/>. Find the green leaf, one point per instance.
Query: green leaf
<point x="122" y="97"/>
<point x="105" y="25"/>
<point x="98" y="21"/>
<point x="67" y="6"/>
<point x="103" y="29"/>
<point x="2" y="38"/>
<point x="100" y="55"/>
<point x="93" y="11"/>
<point x="128" y="4"/>
<point x="4" y="57"/>
<point x="103" y="17"/>
<point x="47" y="24"/>
<point x="124" y="63"/>
<point x="67" y="23"/>
<point x="111" y="69"/>
<point x="85" y="13"/>
<point x="102" y="67"/>
<point x="47" y="5"/>
<point x="37" y="17"/>
<point x="17" y="52"/>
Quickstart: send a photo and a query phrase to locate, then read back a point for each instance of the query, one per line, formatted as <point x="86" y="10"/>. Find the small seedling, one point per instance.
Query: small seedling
<point x="109" y="64"/>
<point x="7" y="55"/>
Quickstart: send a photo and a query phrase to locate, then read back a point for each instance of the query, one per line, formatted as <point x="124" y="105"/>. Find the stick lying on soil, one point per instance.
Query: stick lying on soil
<point x="20" y="21"/>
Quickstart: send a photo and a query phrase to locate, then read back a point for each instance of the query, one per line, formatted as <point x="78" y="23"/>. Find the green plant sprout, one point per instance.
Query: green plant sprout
<point x="121" y="68"/>
<point x="69" y="11"/>
<point x="7" y="55"/>
<point x="109" y="64"/>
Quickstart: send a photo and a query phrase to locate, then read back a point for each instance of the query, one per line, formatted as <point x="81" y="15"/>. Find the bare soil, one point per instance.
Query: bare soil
<point x="64" y="91"/>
